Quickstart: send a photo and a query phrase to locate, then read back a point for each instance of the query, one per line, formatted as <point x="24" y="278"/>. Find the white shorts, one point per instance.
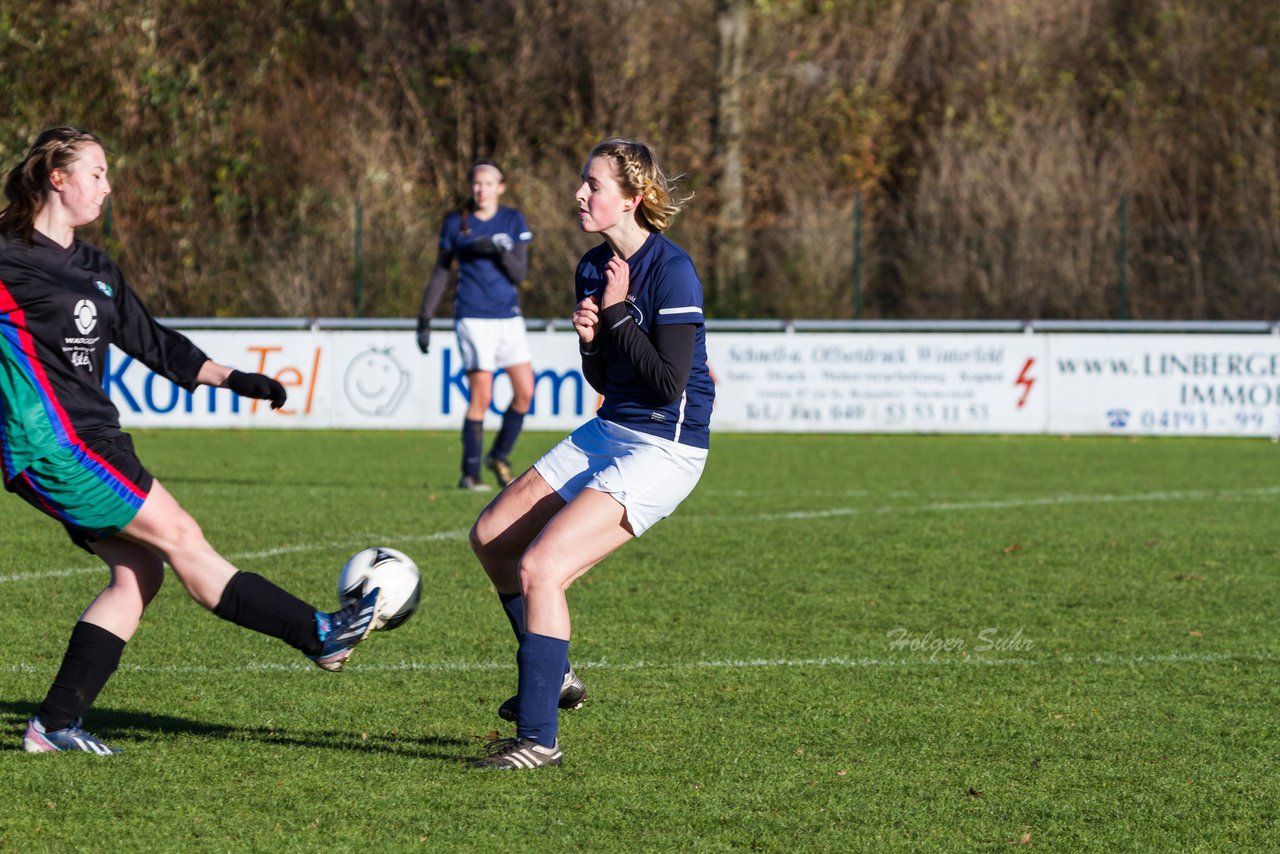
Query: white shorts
<point x="647" y="475"/>
<point x="489" y="343"/>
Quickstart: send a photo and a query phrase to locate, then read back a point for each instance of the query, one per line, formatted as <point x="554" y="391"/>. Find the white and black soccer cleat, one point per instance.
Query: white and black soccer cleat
<point x="518" y="754"/>
<point x="473" y="484"/>
<point x="572" y="695"/>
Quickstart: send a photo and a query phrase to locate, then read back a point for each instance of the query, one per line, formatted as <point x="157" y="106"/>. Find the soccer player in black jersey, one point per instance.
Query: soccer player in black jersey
<point x="62" y="302"/>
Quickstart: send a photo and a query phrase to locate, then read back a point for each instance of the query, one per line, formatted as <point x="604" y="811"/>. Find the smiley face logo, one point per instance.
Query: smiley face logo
<point x="375" y="383"/>
<point x="86" y="315"/>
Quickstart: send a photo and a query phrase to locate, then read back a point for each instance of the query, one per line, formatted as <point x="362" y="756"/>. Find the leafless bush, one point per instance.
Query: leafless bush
<point x="1024" y="226"/>
<point x="990" y="142"/>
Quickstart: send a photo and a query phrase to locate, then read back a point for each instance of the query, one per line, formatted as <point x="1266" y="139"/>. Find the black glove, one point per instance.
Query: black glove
<point x="257" y="385"/>
<point x="424" y="337"/>
<point x="495" y="245"/>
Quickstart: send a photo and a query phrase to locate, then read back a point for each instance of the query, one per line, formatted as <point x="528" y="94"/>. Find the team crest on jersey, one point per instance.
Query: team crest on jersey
<point x="634" y="310"/>
<point x="104" y="287"/>
<point x="86" y="314"/>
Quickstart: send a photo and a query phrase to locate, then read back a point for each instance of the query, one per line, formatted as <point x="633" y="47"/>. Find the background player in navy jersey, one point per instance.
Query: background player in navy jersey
<point x="62" y="302"/>
<point x="491" y="243"/>
<point x="642" y="337"/>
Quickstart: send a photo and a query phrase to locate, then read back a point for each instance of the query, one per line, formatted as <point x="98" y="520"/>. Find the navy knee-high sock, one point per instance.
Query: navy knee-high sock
<point x="472" y="446"/>
<point x="542" y="661"/>
<point x="92" y="655"/>
<point x="512" y="421"/>
<point x="513" y="604"/>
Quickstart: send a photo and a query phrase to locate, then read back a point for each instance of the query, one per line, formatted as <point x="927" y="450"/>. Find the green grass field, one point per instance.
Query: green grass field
<point x="836" y="644"/>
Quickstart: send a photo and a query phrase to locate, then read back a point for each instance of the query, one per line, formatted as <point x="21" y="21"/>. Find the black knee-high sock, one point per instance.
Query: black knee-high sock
<point x="92" y="655"/>
<point x="252" y="602"/>
<point x="472" y="446"/>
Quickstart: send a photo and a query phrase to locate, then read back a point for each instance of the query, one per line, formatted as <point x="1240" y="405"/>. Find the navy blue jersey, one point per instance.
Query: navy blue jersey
<point x="483" y="289"/>
<point x="60" y="308"/>
<point x="664" y="290"/>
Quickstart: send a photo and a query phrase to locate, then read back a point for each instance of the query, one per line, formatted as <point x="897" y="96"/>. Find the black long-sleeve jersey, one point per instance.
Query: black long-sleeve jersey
<point x="60" y="308"/>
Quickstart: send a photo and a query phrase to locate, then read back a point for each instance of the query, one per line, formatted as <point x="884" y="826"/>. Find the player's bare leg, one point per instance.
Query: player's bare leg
<point x="245" y="598"/>
<point x="499" y="538"/>
<point x="136" y="575"/>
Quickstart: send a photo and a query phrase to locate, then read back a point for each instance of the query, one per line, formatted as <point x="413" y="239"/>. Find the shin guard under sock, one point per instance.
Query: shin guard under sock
<point x="92" y="655"/>
<point x="542" y="661"/>
<point x="513" y="604"/>
<point x="252" y="602"/>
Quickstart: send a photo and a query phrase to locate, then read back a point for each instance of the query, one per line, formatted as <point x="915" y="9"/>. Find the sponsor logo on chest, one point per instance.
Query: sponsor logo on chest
<point x="80" y="349"/>
<point x="86" y="314"/>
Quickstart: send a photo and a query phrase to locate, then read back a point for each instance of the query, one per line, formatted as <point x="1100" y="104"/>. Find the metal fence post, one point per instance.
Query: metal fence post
<point x="359" y="282"/>
<point x="857" y="254"/>
<point x="1122" y="255"/>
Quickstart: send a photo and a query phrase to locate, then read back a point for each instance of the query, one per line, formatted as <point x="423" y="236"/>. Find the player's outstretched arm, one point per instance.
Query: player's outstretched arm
<point x="259" y="386"/>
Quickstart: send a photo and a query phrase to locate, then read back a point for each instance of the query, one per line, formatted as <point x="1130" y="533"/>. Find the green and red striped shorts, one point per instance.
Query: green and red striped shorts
<point x="94" y="489"/>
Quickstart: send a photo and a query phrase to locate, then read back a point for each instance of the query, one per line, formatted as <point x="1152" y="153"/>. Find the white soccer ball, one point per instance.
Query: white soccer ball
<point x="393" y="571"/>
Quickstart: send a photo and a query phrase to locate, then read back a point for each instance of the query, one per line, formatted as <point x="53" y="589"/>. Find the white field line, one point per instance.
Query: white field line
<point x="1014" y="503"/>
<point x="357" y="541"/>
<point x="934" y="507"/>
<point x="838" y="662"/>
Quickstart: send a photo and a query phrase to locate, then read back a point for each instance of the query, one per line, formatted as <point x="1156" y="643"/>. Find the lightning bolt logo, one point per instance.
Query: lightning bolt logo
<point x="1025" y="380"/>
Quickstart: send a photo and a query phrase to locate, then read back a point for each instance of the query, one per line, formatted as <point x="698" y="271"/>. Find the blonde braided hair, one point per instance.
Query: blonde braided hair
<point x="639" y="173"/>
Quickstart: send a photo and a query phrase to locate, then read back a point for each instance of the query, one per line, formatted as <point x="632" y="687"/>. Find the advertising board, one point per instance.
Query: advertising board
<point x="865" y="382"/>
<point x="879" y="383"/>
<point x="1185" y="385"/>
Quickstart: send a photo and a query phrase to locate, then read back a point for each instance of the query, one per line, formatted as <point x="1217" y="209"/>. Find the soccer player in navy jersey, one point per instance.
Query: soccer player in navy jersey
<point x="641" y="334"/>
<point x="62" y="303"/>
<point x="491" y="243"/>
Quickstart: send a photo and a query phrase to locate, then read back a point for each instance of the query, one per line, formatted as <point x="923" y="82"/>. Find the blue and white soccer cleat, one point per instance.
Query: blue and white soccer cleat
<point x="340" y="631"/>
<point x="37" y="740"/>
